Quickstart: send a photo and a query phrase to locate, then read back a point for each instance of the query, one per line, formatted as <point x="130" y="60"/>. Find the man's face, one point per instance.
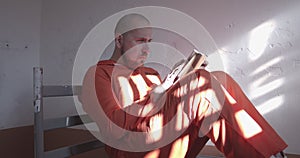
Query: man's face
<point x="135" y="48"/>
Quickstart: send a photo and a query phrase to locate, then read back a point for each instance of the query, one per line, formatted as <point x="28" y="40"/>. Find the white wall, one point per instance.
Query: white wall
<point x="268" y="74"/>
<point x="19" y="53"/>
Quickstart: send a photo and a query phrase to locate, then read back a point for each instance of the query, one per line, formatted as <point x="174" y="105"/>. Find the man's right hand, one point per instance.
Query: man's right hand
<point x="172" y="77"/>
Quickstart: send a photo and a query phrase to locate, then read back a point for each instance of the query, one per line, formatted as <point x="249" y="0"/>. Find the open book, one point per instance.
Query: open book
<point x="194" y="61"/>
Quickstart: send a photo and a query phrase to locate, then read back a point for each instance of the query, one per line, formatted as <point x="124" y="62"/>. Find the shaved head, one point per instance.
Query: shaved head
<point x="130" y="22"/>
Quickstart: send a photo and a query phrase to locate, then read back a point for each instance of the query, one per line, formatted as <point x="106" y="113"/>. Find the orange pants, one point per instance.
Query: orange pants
<point x="235" y="126"/>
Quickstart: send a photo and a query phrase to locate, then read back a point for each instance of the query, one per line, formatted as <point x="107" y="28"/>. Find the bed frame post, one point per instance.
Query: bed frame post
<point x="38" y="113"/>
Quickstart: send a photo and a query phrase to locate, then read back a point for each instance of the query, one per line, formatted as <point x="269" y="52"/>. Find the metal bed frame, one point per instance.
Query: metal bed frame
<point x="41" y="125"/>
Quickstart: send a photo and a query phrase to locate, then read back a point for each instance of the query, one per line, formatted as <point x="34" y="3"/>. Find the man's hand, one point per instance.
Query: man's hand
<point x="172" y="77"/>
<point x="205" y="63"/>
<point x="157" y="92"/>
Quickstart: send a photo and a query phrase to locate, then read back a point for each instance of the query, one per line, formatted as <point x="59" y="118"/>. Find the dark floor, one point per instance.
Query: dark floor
<point x="18" y="142"/>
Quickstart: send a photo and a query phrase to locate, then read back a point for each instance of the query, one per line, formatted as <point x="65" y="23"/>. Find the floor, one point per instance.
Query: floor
<point x="18" y="142"/>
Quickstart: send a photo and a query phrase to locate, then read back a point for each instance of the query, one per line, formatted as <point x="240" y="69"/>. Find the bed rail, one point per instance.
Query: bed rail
<point x="42" y="125"/>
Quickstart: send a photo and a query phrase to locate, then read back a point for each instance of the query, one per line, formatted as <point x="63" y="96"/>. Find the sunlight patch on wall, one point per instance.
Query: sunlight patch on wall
<point x="256" y="92"/>
<point x="258" y="40"/>
<point x="266" y="83"/>
<point x="266" y="65"/>
<point x="270" y="105"/>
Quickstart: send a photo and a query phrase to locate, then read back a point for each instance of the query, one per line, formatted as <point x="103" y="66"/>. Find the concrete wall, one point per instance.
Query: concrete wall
<point x="19" y="53"/>
<point x="258" y="42"/>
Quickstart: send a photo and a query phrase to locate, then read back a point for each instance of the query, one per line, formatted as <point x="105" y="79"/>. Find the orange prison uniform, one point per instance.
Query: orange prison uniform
<point x="190" y="100"/>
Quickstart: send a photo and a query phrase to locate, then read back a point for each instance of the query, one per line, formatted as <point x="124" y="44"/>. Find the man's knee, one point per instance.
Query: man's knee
<point x="203" y="73"/>
<point x="222" y="77"/>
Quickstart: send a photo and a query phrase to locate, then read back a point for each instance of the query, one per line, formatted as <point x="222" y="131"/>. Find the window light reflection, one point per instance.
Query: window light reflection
<point x="140" y="84"/>
<point x="182" y="121"/>
<point x="248" y="126"/>
<point x="126" y="92"/>
<point x="155" y="128"/>
<point x="266" y="65"/>
<point x="179" y="147"/>
<point x="259" y="39"/>
<point x="154" y="79"/>
<point x="217" y="127"/>
<point x="228" y="96"/>
<point x="265" y="89"/>
<point x="261" y="80"/>
<point x="153" y="154"/>
<point x="270" y="104"/>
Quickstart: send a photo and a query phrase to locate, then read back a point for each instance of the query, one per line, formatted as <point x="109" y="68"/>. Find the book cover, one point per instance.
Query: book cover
<point x="194" y="61"/>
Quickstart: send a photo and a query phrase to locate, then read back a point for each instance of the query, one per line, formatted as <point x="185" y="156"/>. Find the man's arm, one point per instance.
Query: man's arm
<point x="99" y="102"/>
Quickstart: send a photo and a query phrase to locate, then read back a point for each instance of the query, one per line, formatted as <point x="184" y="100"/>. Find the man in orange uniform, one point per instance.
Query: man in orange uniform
<point x="137" y="117"/>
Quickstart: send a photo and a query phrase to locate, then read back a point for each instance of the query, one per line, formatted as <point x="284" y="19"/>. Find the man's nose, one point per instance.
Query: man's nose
<point x="145" y="48"/>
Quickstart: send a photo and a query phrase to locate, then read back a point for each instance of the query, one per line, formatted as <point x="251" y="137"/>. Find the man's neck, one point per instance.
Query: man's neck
<point x="116" y="55"/>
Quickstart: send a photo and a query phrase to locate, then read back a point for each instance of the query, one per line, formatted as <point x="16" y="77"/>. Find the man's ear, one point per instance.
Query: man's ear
<point x="119" y="40"/>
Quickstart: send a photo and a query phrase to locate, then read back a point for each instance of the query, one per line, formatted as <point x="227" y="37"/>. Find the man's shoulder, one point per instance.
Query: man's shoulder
<point x="104" y="67"/>
<point x="106" y="63"/>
